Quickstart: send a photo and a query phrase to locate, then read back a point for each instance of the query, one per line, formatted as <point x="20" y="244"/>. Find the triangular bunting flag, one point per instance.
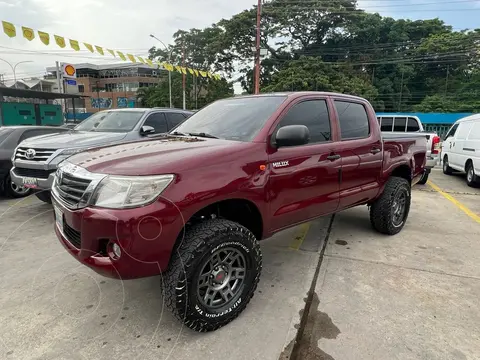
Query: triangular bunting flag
<point x="122" y="56"/>
<point x="111" y="52"/>
<point x="203" y="73"/>
<point x="149" y="62"/>
<point x="9" y="29"/>
<point x="131" y="58"/>
<point x="28" y="33"/>
<point x="74" y="45"/>
<point x="141" y="59"/>
<point x="89" y="47"/>
<point x="44" y="37"/>
<point x="196" y="72"/>
<point x="99" y="50"/>
<point x="190" y="71"/>
<point x="60" y="41"/>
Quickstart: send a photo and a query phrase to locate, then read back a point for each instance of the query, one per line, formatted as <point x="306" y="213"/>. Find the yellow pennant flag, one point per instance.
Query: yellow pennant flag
<point x="122" y="56"/>
<point x="190" y="71"/>
<point x="203" y="73"/>
<point x="184" y="70"/>
<point x="131" y="58"/>
<point x="209" y="74"/>
<point x="28" y="33"/>
<point x="74" y="45"/>
<point x="179" y="68"/>
<point x="111" y="52"/>
<point x="168" y="66"/>
<point x="196" y="72"/>
<point x="141" y="59"/>
<point x="149" y="62"/>
<point x="9" y="29"/>
<point x="99" y="50"/>
<point x="218" y="77"/>
<point x="60" y="41"/>
<point x="44" y="37"/>
<point x="89" y="47"/>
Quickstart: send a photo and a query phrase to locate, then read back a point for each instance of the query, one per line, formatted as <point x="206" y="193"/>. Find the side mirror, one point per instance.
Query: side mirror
<point x="292" y="135"/>
<point x="146" y="130"/>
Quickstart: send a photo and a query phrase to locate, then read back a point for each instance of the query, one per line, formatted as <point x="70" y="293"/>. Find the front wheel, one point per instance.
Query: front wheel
<point x="15" y="191"/>
<point x="447" y="170"/>
<point x="472" y="178"/>
<point x="213" y="274"/>
<point x="389" y="212"/>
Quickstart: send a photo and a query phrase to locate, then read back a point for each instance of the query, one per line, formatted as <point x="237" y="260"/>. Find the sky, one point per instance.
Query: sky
<point x="125" y="25"/>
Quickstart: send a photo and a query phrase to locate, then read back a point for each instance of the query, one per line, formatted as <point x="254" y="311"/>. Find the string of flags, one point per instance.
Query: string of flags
<point x="11" y="31"/>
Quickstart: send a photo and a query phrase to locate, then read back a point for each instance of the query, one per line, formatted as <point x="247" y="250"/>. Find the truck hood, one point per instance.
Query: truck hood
<point x="73" y="139"/>
<point x="159" y="156"/>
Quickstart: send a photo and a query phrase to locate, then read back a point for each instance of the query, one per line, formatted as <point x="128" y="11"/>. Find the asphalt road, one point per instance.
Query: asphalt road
<point x="365" y="296"/>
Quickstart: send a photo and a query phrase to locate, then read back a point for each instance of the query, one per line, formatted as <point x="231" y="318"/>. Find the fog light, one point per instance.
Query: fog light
<point x="116" y="250"/>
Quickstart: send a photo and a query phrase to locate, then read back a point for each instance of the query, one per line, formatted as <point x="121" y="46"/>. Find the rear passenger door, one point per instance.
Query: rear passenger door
<point x="361" y="153"/>
<point x="174" y="119"/>
<point x="303" y="181"/>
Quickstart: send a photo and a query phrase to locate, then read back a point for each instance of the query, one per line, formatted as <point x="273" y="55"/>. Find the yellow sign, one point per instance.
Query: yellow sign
<point x="9" y="29"/>
<point x="28" y="33"/>
<point x="69" y="71"/>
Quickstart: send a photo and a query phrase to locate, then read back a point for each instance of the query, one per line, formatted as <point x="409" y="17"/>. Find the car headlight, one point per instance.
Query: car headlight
<point x="68" y="152"/>
<point x="118" y="192"/>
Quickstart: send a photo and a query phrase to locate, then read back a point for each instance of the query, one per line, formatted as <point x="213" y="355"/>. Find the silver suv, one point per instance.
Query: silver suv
<point x="35" y="160"/>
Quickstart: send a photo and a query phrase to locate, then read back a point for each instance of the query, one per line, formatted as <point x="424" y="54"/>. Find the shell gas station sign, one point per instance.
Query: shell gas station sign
<point x="69" y="71"/>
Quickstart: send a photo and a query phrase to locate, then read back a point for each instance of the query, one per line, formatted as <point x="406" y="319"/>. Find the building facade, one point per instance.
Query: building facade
<point x="111" y="86"/>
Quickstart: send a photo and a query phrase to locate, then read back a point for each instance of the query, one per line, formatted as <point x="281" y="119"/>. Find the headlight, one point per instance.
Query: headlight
<point x="69" y="152"/>
<point x="119" y="192"/>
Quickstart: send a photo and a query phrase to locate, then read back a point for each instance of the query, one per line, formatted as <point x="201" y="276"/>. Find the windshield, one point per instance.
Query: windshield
<point x="233" y="119"/>
<point x="111" y="121"/>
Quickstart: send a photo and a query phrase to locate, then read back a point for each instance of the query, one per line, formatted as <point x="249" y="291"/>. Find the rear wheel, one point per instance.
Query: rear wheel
<point x="423" y="180"/>
<point x="14" y="190"/>
<point x="389" y="212"/>
<point x="213" y="274"/>
<point x="447" y="170"/>
<point x="44" y="196"/>
<point x="472" y="178"/>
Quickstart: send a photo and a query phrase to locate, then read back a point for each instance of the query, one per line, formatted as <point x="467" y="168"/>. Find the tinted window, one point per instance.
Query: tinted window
<point x="353" y="120"/>
<point x="412" y="125"/>
<point x="111" y="121"/>
<point x="399" y="124"/>
<point x="452" y="131"/>
<point x="387" y="123"/>
<point x="234" y="119"/>
<point x="158" y="122"/>
<point x="314" y="115"/>
<point x="173" y="119"/>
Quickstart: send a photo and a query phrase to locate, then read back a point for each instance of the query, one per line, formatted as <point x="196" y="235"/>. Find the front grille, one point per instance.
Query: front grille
<point x="71" y="188"/>
<point x="35" y="173"/>
<point x="40" y="155"/>
<point x="72" y="235"/>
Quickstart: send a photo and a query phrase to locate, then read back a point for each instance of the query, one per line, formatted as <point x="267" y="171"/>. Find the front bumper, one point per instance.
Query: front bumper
<point x="42" y="183"/>
<point x="146" y="236"/>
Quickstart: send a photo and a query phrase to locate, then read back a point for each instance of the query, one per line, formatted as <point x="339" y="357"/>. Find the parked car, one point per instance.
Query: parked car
<point x="194" y="203"/>
<point x="402" y="124"/>
<point x="461" y="149"/>
<point x="10" y="137"/>
<point x="36" y="160"/>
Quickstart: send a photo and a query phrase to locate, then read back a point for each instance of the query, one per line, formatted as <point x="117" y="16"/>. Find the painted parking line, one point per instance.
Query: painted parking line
<point x="300" y="236"/>
<point x="457" y="203"/>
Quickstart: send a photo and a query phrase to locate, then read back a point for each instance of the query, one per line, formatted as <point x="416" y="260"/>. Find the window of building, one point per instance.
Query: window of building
<point x="81" y="88"/>
<point x="314" y="115"/>
<point x="353" y="120"/>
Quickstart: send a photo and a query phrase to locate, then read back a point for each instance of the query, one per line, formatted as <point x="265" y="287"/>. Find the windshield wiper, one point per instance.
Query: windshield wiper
<point x="202" y="134"/>
<point x="178" y="133"/>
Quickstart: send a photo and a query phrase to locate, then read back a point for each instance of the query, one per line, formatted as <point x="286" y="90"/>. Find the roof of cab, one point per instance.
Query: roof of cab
<point x="296" y="94"/>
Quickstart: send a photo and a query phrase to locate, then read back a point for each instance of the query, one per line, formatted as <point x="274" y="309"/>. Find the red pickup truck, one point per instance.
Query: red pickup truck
<point x="192" y="204"/>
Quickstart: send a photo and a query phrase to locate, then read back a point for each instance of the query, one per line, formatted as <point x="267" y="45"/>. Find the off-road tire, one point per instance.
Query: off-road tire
<point x="180" y="281"/>
<point x="44" y="196"/>
<point x="475" y="180"/>
<point x="423" y="180"/>
<point x="447" y="170"/>
<point x="12" y="193"/>
<point x="382" y="212"/>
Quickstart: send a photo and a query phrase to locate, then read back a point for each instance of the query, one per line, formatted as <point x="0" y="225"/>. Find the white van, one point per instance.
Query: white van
<point x="461" y="149"/>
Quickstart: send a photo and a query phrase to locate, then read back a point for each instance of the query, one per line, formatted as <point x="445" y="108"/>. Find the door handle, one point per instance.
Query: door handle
<point x="375" y="151"/>
<point x="333" y="157"/>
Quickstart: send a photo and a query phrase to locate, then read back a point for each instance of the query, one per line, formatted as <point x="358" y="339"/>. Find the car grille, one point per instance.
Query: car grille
<point x="40" y="155"/>
<point x="35" y="173"/>
<point x="71" y="188"/>
<point x="72" y="235"/>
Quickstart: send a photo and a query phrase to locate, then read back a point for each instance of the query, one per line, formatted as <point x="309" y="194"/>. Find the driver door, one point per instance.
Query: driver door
<point x="304" y="180"/>
<point x="158" y="122"/>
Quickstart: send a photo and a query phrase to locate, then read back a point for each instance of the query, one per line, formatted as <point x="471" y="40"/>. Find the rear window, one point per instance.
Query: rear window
<point x="412" y="125"/>
<point x="387" y="123"/>
<point x="399" y="124"/>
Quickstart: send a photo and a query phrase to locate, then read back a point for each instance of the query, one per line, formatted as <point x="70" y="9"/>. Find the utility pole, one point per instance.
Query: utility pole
<point x="257" y="49"/>
<point x="446" y="80"/>
<point x="401" y="91"/>
<point x="183" y="75"/>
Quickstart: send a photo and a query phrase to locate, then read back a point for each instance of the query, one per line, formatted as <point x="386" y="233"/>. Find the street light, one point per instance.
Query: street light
<point x="14" y="67"/>
<point x="169" y="61"/>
